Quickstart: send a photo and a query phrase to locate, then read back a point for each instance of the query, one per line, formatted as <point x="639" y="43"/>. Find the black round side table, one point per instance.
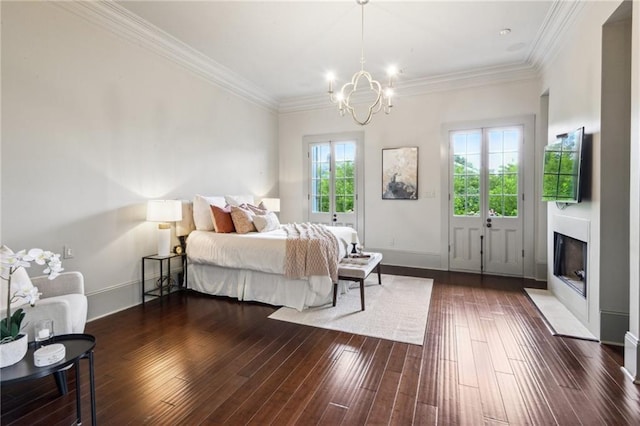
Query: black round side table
<point x="77" y="347"/>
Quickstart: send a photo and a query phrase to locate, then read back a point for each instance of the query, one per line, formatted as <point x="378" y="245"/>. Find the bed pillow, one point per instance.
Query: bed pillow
<point x="222" y="221"/>
<point x="237" y="200"/>
<point x="267" y="222"/>
<point x="202" y="217"/>
<point x="258" y="210"/>
<point x="19" y="280"/>
<point x="242" y="220"/>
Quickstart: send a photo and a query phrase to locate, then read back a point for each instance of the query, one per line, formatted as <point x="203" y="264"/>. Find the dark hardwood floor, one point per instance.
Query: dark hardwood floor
<point x="488" y="358"/>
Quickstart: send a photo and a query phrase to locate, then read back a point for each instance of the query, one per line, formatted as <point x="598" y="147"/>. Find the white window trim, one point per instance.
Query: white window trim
<point x="358" y="137"/>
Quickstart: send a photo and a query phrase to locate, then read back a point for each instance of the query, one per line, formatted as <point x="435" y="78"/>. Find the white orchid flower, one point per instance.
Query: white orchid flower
<point x="37" y="255"/>
<point x="32" y="295"/>
<point x="14" y="261"/>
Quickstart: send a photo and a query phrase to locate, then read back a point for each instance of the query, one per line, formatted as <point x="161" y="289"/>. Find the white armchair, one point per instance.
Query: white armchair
<point x="62" y="300"/>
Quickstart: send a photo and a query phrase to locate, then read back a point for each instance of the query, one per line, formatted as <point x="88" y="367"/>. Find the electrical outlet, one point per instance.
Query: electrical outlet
<point x="68" y="253"/>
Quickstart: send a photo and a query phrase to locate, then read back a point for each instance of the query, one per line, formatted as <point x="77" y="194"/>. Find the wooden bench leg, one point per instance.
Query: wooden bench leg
<point x="379" y="276"/>
<point x="362" y="294"/>
<point x="335" y="293"/>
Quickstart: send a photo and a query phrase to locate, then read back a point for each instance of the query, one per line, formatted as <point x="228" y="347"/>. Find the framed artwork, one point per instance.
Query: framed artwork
<point x="400" y="173"/>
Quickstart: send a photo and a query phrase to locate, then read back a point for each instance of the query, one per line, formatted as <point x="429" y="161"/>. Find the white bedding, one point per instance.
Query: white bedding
<point x="251" y="266"/>
<point x="256" y="251"/>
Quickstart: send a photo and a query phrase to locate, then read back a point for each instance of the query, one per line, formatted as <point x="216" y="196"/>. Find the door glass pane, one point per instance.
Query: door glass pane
<point x="466" y="149"/>
<point x="503" y="155"/>
<point x="344" y="179"/>
<point x="320" y="177"/>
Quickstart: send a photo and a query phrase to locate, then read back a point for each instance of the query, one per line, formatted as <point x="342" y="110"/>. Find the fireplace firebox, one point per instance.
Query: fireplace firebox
<point x="570" y="262"/>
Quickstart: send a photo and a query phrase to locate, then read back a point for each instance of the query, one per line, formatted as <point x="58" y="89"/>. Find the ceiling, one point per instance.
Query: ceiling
<point x="285" y="48"/>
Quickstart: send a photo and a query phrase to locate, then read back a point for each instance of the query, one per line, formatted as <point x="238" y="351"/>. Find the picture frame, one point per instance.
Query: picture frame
<point x="400" y="173"/>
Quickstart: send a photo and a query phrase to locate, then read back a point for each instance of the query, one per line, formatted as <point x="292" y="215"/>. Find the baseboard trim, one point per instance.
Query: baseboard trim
<point x="411" y="259"/>
<point x="118" y="297"/>
<point x="632" y="357"/>
<point x="613" y="326"/>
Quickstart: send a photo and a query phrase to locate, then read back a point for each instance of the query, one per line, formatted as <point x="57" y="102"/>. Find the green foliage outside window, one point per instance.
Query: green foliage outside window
<point x="344" y="188"/>
<point x="503" y="189"/>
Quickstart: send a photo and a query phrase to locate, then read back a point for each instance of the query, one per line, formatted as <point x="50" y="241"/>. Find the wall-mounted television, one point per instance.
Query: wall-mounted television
<point x="563" y="168"/>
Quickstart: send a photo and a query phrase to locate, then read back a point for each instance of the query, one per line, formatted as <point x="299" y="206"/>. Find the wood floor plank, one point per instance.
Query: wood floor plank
<point x="467" y="374"/>
<point x="513" y="400"/>
<point x="488" y="358"/>
<point x="403" y="410"/>
<point x="385" y="398"/>
<point x="492" y="402"/>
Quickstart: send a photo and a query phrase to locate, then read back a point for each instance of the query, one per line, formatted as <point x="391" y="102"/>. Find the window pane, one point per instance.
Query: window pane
<point x="495" y="163"/>
<point x="473" y="163"/>
<point x="459" y="143"/>
<point x="339" y="152"/>
<point x="495" y="184"/>
<point x="495" y="141"/>
<point x="473" y="206"/>
<point x="459" y="185"/>
<point x="474" y="143"/>
<point x="510" y="206"/>
<point x="473" y="184"/>
<point x="495" y="205"/>
<point x="459" y="205"/>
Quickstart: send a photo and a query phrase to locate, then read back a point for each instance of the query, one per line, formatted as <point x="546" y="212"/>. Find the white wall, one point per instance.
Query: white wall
<point x="93" y="126"/>
<point x="632" y="345"/>
<point x="413" y="226"/>
<point x="573" y="79"/>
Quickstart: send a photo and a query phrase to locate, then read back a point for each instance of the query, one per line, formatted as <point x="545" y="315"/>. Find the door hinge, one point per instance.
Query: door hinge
<point x="522" y="253"/>
<point x="522" y="196"/>
<point x="308" y="197"/>
<point x="449" y="248"/>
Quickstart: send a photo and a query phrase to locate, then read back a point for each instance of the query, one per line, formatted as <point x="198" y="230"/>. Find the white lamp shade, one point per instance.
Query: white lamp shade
<point x="272" y="204"/>
<point x="164" y="210"/>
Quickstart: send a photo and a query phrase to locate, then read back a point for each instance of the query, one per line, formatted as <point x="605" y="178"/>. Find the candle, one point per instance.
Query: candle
<point x="354" y="238"/>
<point x="43" y="334"/>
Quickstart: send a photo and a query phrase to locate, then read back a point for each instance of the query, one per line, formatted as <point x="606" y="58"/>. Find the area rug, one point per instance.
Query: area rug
<point x="558" y="317"/>
<point x="396" y="310"/>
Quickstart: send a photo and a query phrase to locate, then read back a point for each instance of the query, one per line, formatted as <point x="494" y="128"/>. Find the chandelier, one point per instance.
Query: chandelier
<point x="363" y="85"/>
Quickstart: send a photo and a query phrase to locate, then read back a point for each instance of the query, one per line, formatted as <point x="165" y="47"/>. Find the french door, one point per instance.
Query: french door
<point x="333" y="183"/>
<point x="485" y="208"/>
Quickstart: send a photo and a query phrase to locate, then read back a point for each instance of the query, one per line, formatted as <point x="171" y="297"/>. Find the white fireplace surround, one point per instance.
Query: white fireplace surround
<point x="579" y="229"/>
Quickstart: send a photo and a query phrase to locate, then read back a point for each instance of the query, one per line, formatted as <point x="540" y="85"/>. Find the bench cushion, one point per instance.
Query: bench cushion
<point x="352" y="270"/>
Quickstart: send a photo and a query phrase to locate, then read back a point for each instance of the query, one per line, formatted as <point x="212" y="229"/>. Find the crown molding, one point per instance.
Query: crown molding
<point x="422" y="86"/>
<point x="122" y="22"/>
<point x="559" y="19"/>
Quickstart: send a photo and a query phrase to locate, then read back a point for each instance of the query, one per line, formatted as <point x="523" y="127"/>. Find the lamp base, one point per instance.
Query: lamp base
<point x="164" y="239"/>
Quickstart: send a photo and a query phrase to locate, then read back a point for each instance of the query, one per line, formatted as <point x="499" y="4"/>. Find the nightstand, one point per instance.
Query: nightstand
<point x="165" y="284"/>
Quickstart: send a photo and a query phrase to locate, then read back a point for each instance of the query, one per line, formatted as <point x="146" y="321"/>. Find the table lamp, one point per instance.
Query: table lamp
<point x="164" y="211"/>
<point x="272" y="204"/>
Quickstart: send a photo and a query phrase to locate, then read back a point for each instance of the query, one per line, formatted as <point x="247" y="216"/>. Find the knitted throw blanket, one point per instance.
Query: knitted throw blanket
<point x="311" y="250"/>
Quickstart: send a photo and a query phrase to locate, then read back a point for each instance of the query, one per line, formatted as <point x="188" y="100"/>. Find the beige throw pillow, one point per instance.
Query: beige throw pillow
<point x="267" y="222"/>
<point x="242" y="220"/>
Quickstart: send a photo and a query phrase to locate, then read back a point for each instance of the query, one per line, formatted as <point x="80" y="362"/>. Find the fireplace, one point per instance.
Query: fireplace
<point x="570" y="262"/>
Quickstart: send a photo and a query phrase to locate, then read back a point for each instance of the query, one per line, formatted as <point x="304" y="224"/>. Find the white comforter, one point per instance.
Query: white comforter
<point x="264" y="252"/>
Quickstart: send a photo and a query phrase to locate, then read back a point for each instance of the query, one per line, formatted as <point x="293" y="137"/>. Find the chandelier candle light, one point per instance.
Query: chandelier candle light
<point x="382" y="97"/>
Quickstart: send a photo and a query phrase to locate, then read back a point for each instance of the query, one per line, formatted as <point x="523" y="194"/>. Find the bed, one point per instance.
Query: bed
<point x="251" y="267"/>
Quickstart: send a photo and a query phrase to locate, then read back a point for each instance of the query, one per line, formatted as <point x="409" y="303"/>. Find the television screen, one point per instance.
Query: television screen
<point x="562" y="168"/>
